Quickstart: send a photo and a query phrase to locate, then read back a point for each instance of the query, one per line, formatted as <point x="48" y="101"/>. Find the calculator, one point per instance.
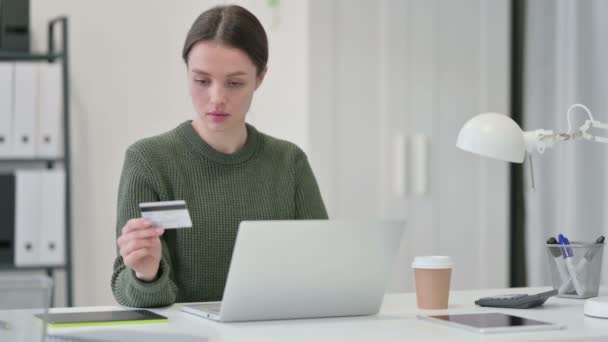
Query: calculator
<point x="516" y="301"/>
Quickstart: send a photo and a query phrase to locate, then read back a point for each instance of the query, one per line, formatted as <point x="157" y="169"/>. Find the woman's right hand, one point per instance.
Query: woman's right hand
<point x="140" y="248"/>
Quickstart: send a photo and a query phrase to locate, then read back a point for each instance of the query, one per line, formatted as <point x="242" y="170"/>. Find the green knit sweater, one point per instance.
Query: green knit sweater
<point x="267" y="179"/>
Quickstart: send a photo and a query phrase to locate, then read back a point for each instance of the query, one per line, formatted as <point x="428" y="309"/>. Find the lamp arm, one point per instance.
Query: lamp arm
<point x="540" y="139"/>
<point x="583" y="131"/>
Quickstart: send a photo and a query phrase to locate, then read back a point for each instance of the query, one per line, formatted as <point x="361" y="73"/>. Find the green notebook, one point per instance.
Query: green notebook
<point x="96" y="318"/>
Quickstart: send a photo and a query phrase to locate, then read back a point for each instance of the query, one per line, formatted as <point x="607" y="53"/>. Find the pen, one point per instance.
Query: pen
<point x="561" y="266"/>
<point x="568" y="254"/>
<point x="591" y="253"/>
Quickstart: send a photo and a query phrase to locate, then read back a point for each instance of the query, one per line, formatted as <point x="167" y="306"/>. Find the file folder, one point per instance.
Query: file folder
<point x="52" y="218"/>
<point x="50" y="138"/>
<point x="6" y="108"/>
<point x="25" y="109"/>
<point x="28" y="206"/>
<point x="40" y="217"/>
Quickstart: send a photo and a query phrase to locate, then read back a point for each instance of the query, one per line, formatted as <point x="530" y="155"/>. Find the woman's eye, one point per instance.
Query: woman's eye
<point x="203" y="82"/>
<point x="234" y="84"/>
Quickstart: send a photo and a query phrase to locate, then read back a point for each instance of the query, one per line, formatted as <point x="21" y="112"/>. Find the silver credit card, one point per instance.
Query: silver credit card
<point x="168" y="214"/>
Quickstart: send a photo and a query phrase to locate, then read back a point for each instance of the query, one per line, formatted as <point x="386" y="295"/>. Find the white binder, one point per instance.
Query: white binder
<point x="50" y="138"/>
<point x="28" y="186"/>
<point x="26" y="109"/>
<point x="6" y="109"/>
<point x="52" y="218"/>
<point x="40" y="217"/>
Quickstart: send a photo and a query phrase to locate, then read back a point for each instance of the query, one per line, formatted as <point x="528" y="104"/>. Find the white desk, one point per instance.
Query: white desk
<point x="396" y="322"/>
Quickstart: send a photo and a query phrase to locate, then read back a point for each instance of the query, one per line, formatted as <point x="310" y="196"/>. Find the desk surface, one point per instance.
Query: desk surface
<point x="396" y="322"/>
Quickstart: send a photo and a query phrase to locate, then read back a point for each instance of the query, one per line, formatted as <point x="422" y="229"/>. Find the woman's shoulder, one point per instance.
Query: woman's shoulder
<point x="163" y="144"/>
<point x="280" y="148"/>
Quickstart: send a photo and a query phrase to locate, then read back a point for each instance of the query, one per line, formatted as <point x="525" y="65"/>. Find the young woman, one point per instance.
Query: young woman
<point x="223" y="168"/>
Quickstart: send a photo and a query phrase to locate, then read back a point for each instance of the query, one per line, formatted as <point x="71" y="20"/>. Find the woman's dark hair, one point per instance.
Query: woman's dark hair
<point x="233" y="26"/>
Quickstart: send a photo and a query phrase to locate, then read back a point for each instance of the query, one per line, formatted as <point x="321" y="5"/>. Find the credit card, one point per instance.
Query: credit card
<point x="168" y="214"/>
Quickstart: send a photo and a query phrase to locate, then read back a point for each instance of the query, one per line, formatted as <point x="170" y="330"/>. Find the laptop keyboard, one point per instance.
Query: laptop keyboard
<point x="212" y="307"/>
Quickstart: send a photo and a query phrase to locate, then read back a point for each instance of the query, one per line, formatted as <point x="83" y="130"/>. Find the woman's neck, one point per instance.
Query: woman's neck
<point x="228" y="142"/>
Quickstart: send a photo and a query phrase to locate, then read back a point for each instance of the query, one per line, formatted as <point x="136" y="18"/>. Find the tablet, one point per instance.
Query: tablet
<point x="74" y="319"/>
<point x="493" y="322"/>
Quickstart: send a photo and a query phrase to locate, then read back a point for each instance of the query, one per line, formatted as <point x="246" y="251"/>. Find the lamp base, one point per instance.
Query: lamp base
<point x="597" y="307"/>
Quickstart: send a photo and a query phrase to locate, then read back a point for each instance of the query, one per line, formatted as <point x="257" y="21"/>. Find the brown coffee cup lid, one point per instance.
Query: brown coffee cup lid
<point x="432" y="262"/>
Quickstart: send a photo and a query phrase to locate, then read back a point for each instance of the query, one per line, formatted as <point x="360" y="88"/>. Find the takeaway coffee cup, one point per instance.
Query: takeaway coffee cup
<point x="432" y="275"/>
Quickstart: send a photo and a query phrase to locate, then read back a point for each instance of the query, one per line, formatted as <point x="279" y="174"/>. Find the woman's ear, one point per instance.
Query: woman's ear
<point x="260" y="78"/>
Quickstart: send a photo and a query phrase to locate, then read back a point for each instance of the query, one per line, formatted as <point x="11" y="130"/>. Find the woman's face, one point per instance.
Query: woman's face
<point x="222" y="81"/>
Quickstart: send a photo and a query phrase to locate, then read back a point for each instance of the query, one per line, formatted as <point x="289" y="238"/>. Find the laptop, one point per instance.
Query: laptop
<point x="305" y="269"/>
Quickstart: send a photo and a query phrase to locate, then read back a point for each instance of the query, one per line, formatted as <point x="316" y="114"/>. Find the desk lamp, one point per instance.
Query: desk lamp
<point x="497" y="136"/>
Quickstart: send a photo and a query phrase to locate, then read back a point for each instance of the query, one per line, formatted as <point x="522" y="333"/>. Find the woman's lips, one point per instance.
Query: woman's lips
<point x="218" y="116"/>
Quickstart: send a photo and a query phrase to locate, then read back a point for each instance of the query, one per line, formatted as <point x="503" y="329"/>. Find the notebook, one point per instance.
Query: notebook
<point x="95" y="318"/>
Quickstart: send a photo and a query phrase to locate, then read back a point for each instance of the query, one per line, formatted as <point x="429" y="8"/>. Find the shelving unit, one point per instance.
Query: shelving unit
<point x="53" y="54"/>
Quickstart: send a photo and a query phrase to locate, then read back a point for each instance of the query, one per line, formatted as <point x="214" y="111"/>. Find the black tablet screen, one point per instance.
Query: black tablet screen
<point x="100" y="316"/>
<point x="490" y="320"/>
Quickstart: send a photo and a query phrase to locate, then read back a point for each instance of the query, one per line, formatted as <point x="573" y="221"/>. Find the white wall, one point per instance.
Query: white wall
<point x="128" y="82"/>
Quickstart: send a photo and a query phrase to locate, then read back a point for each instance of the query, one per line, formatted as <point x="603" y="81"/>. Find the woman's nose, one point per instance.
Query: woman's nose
<point x="218" y="94"/>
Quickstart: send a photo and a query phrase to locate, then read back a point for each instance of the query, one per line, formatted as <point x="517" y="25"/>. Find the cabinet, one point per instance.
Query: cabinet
<point x="35" y="173"/>
<point x="393" y="83"/>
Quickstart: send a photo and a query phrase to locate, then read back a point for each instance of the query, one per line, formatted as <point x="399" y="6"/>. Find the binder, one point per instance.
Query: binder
<point x="40" y="217"/>
<point x="50" y="138"/>
<point x="28" y="185"/>
<point x="25" y="109"/>
<point x="6" y="108"/>
<point x="52" y="218"/>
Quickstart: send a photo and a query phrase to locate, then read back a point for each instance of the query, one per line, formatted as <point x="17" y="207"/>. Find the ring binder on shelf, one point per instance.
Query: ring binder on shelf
<point x="52" y="219"/>
<point x="39" y="217"/>
<point x="50" y="112"/>
<point x="6" y="108"/>
<point x="28" y="184"/>
<point x="26" y="109"/>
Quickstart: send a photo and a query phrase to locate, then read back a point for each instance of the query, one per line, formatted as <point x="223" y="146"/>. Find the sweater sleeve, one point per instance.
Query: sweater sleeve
<point x="309" y="203"/>
<point x="137" y="184"/>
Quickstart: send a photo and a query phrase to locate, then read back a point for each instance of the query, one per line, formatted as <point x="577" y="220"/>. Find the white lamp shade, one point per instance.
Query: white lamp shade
<point x="493" y="135"/>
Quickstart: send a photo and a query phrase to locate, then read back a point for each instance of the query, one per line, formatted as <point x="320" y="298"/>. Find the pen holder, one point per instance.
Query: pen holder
<point x="575" y="268"/>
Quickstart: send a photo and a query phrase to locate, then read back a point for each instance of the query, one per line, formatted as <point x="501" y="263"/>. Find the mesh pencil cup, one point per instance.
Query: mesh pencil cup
<point x="575" y="268"/>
